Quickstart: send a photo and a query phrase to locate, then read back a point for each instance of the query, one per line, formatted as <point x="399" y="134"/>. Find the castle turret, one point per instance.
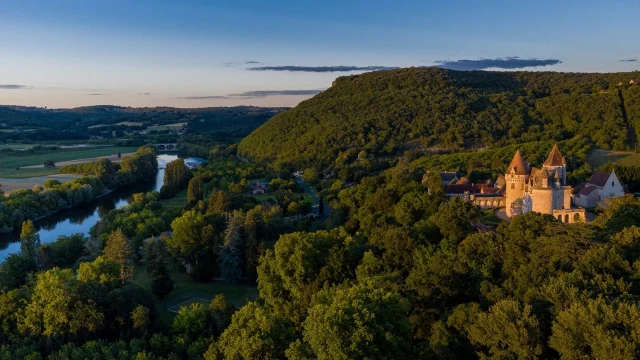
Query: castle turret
<point x="556" y="163"/>
<point x="515" y="178"/>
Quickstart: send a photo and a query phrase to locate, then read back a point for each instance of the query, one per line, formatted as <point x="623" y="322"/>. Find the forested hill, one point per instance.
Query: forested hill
<point x="19" y="123"/>
<point x="387" y="112"/>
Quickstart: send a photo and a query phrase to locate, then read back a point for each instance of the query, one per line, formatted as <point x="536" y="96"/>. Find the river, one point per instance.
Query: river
<point x="81" y="219"/>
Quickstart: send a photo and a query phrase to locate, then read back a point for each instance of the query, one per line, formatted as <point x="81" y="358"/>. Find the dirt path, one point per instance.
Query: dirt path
<point x="113" y="158"/>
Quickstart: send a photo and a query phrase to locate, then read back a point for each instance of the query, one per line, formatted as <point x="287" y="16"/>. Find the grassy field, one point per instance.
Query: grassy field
<point x="166" y="127"/>
<point x="16" y="146"/>
<point x="187" y="289"/>
<point x="127" y="123"/>
<point x="26" y="173"/>
<point x="264" y="197"/>
<point x="9" y="162"/>
<point x="179" y="199"/>
<point x="599" y="157"/>
<point x="10" y="184"/>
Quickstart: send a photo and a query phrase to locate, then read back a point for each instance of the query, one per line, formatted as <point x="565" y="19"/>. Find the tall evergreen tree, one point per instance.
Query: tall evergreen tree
<point x="118" y="249"/>
<point x="194" y="192"/>
<point x="29" y="240"/>
<point x="156" y="257"/>
<point x="232" y="256"/>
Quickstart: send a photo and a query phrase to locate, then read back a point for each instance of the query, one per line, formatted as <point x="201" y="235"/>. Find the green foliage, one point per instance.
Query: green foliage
<point x="299" y="265"/>
<point x="157" y="258"/>
<point x="102" y="270"/>
<point x="455" y="217"/>
<point x="176" y="178"/>
<point x="14" y="271"/>
<point x="119" y="251"/>
<point x="29" y="240"/>
<point x="433" y="109"/>
<point x="254" y="333"/>
<point x="195" y="191"/>
<point x="360" y="322"/>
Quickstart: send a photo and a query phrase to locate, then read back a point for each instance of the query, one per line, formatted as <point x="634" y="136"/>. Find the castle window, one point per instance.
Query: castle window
<point x="612" y="183"/>
<point x="513" y="186"/>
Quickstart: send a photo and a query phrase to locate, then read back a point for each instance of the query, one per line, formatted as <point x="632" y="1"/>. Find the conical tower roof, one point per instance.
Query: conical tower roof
<point x="544" y="173"/>
<point x="518" y="165"/>
<point x="555" y="157"/>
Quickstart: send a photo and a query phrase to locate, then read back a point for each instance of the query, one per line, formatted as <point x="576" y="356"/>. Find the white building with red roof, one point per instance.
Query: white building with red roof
<point x="601" y="185"/>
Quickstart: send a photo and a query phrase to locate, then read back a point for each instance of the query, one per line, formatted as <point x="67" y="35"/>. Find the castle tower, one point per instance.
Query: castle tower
<point x="556" y="163"/>
<point x="542" y="193"/>
<point x="516" y="177"/>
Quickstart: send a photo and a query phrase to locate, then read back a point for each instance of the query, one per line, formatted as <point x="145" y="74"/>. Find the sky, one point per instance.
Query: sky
<point x="197" y="53"/>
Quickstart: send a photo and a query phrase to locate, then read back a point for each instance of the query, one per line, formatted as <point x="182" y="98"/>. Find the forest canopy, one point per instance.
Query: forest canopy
<point x="438" y="110"/>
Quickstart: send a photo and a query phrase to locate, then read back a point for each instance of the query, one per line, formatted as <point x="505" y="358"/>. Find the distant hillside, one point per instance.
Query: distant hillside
<point x="80" y="123"/>
<point x="427" y="109"/>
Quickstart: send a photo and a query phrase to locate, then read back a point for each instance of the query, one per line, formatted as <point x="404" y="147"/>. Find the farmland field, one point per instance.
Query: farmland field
<point x="17" y="146"/>
<point x="599" y="157"/>
<point x="9" y="184"/>
<point x="10" y="161"/>
<point x="166" y="127"/>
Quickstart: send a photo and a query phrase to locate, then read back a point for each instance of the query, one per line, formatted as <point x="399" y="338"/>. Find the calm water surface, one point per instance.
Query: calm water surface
<point x="81" y="219"/>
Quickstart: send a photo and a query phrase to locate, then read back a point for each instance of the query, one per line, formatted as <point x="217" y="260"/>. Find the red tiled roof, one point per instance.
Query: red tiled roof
<point x="555" y="157"/>
<point x="586" y="191"/>
<point x="518" y="164"/>
<point x="599" y="178"/>
<point x="576" y="189"/>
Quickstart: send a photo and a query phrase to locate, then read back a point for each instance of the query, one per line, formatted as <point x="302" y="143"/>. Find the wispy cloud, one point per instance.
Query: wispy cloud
<point x="320" y="69"/>
<point x="144" y="93"/>
<point x="265" y="93"/>
<point x="97" y="94"/>
<point x="203" y="97"/>
<point x="241" y="63"/>
<point x="629" y="60"/>
<point x="12" y="87"/>
<point x="255" y="94"/>
<point x="513" y="62"/>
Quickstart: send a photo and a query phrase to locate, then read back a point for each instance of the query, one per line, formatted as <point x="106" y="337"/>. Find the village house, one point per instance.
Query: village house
<point x="259" y="188"/>
<point x="600" y="186"/>
<point x="449" y="177"/>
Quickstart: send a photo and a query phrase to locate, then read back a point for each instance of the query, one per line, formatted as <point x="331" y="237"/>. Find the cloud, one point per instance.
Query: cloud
<point x="203" y="97"/>
<point x="12" y="87"/>
<point x="144" y="93"/>
<point x="241" y="63"/>
<point x="320" y="69"/>
<point x="255" y="94"/>
<point x="265" y="93"/>
<point x="629" y="60"/>
<point x="513" y="62"/>
<point x="97" y="94"/>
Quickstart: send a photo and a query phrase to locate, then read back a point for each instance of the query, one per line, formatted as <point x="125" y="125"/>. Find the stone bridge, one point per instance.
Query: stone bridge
<point x="167" y="147"/>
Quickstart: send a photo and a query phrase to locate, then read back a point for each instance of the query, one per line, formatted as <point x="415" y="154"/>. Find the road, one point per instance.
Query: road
<point x="326" y="209"/>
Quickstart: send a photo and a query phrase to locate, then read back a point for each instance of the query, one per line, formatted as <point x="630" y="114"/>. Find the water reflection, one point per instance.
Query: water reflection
<point x="82" y="218"/>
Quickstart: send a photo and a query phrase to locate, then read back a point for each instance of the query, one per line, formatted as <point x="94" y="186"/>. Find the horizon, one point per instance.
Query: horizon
<point x="170" y="54"/>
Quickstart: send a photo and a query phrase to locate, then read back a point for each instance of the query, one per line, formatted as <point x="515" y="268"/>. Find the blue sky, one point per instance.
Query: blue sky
<point x="194" y="53"/>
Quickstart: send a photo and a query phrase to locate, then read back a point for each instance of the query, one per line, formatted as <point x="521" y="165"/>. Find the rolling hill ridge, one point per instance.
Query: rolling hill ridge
<point x="427" y="109"/>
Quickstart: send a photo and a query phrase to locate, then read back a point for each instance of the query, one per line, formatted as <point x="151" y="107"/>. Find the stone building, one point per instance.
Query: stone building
<point x="542" y="190"/>
<point x="601" y="185"/>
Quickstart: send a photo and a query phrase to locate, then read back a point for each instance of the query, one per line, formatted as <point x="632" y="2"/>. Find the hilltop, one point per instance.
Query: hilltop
<point x="433" y="110"/>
